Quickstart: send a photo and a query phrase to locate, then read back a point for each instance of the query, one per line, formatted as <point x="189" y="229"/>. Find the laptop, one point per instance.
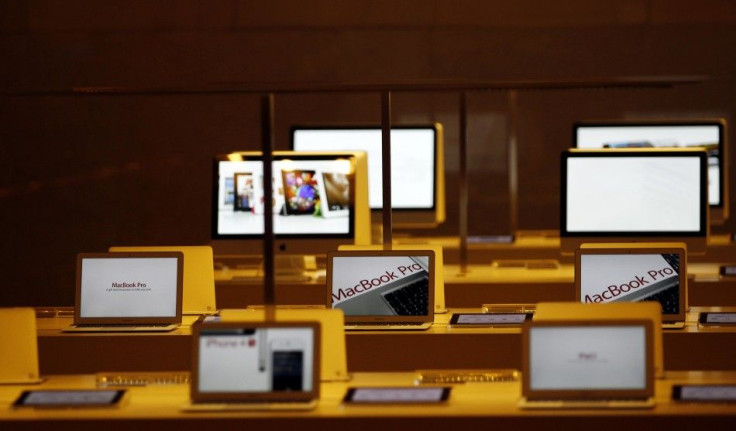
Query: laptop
<point x="255" y="366"/>
<point x="18" y="346"/>
<point x="633" y="272"/>
<point x="199" y="276"/>
<point x="588" y="364"/>
<point x="382" y="289"/>
<point x="128" y="291"/>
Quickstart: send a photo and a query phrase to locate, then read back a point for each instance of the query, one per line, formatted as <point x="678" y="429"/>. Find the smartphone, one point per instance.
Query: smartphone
<point x="717" y="319"/>
<point x="480" y="320"/>
<point x="409" y="395"/>
<point x="69" y="398"/>
<point x="704" y="393"/>
<point x="287" y="364"/>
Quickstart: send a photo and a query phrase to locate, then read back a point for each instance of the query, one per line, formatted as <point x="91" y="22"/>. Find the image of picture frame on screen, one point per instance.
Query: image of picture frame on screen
<point x="319" y="202"/>
<point x="634" y="195"/>
<point x="417" y="166"/>
<point x="709" y="134"/>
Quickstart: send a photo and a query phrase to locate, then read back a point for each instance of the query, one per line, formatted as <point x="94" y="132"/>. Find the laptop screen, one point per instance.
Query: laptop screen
<point x="128" y="286"/>
<point x="572" y="358"/>
<point x="255" y="361"/>
<point x="631" y="277"/>
<point x="389" y="284"/>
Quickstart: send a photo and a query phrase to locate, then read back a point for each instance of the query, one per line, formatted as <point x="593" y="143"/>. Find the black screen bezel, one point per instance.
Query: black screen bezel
<point x="444" y="396"/>
<point x="20" y="401"/>
<point x="702" y="232"/>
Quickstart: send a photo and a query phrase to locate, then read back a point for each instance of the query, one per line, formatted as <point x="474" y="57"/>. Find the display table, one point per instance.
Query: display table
<point x="470" y="406"/>
<point x="691" y="348"/>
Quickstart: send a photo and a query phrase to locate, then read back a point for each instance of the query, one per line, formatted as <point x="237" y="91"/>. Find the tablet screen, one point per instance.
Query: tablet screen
<point x="397" y="395"/>
<point x="70" y="398"/>
<point x="488" y="319"/>
<point x="718" y="318"/>
<point x="721" y="393"/>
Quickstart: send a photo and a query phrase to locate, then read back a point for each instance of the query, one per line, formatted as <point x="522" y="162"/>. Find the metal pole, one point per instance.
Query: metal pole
<point x="386" y="156"/>
<point x="463" y="192"/>
<point x="513" y="106"/>
<point x="267" y="138"/>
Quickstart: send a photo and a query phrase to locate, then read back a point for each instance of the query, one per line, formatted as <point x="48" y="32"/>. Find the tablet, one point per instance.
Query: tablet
<point x="717" y="318"/>
<point x="728" y="270"/>
<point x="470" y="320"/>
<point x="397" y="395"/>
<point x="69" y="398"/>
<point x="705" y="393"/>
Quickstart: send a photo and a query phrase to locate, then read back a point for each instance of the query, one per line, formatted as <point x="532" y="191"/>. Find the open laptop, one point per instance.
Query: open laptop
<point x="130" y="291"/>
<point x="633" y="272"/>
<point x="381" y="289"/>
<point x="255" y="366"/>
<point x="588" y="364"/>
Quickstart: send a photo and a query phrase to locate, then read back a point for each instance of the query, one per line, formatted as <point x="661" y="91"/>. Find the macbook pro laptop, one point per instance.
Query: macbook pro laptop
<point x="593" y="364"/>
<point x="128" y="291"/>
<point x="255" y="366"/>
<point x="633" y="272"/>
<point x="381" y="289"/>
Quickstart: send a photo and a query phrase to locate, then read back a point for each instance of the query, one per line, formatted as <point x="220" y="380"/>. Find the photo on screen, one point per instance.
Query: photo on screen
<point x="336" y="191"/>
<point x="300" y="191"/>
<point x="244" y="192"/>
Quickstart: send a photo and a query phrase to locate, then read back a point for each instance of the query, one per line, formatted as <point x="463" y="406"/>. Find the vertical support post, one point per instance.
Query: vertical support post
<point x="267" y="138"/>
<point x="463" y="192"/>
<point x="386" y="163"/>
<point x="513" y="106"/>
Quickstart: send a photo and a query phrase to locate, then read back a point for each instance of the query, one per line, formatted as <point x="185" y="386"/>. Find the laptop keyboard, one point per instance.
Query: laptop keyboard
<point x="669" y="298"/>
<point x="410" y="300"/>
<point x="673" y="261"/>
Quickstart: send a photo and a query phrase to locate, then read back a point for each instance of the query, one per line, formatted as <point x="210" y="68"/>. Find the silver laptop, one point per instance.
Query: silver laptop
<point x="598" y="364"/>
<point x="380" y="289"/>
<point x="255" y="366"/>
<point x="128" y="291"/>
<point x="633" y="272"/>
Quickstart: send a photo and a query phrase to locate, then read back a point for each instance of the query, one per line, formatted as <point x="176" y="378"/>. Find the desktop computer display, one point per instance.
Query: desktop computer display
<point x="707" y="134"/>
<point x="634" y="195"/>
<point x="319" y="201"/>
<point x="417" y="171"/>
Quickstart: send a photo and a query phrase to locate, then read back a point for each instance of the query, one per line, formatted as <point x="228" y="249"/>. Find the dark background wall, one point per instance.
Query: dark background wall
<point x="81" y="173"/>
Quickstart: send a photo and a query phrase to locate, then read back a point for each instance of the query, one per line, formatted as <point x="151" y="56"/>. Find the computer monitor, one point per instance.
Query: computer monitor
<point x="708" y="134"/>
<point x="319" y="202"/>
<point x="417" y="167"/>
<point x="634" y="195"/>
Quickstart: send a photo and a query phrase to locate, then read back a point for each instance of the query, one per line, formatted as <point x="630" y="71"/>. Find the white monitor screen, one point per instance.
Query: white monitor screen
<point x="310" y="197"/>
<point x="706" y="136"/>
<point x="631" y="278"/>
<point x="633" y="194"/>
<point x="256" y="360"/>
<point x="589" y="357"/>
<point x="128" y="287"/>
<point x="381" y="285"/>
<point x="412" y="160"/>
